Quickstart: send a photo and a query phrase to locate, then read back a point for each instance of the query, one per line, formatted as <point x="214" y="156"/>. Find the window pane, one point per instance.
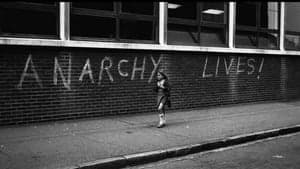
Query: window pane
<point x="138" y="7"/>
<point x="44" y="2"/>
<point x="268" y="40"/>
<point x="102" y="24"/>
<point x="246" y="39"/>
<point x="27" y="21"/>
<point x="185" y="32"/>
<point x="94" y="5"/>
<point x="253" y="27"/>
<point x="186" y="10"/>
<point x="182" y="34"/>
<point x="213" y="12"/>
<point x="246" y="14"/>
<point x="212" y="36"/>
<point x="292" y="42"/>
<point x="269" y="15"/>
<point x="136" y="29"/>
<point x="90" y="26"/>
<point x="292" y="16"/>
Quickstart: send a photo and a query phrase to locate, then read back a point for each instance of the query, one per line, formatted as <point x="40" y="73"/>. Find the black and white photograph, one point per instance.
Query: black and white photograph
<point x="149" y="84"/>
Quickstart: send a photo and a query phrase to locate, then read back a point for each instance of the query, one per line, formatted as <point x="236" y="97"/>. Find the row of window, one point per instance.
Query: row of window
<point x="188" y="23"/>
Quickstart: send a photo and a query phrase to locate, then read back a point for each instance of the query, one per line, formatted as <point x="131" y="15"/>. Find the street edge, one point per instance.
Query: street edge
<point x="152" y="156"/>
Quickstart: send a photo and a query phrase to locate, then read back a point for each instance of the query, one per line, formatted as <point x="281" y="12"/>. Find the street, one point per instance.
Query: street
<point x="276" y="153"/>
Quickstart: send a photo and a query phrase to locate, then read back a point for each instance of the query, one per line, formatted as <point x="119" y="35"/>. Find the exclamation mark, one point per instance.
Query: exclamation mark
<point x="260" y="67"/>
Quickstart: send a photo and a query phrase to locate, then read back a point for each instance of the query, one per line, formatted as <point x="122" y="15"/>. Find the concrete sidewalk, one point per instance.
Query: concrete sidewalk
<point x="75" y="143"/>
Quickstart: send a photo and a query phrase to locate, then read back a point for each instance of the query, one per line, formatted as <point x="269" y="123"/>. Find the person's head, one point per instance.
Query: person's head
<point x="161" y="75"/>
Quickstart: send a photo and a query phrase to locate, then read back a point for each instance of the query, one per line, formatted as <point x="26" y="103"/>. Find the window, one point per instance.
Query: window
<point x="145" y="8"/>
<point x="115" y="21"/>
<point x="197" y="23"/>
<point x="292" y="26"/>
<point x="257" y="25"/>
<point x="106" y="6"/>
<point x="29" y="19"/>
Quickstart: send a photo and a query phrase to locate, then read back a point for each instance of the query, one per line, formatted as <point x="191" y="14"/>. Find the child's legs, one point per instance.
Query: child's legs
<point x="161" y="108"/>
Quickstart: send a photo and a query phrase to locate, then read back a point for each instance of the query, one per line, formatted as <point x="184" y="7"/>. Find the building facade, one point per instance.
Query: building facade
<point x="70" y="60"/>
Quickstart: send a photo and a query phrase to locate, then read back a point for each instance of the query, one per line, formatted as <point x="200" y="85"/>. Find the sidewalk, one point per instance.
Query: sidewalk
<point x="70" y="143"/>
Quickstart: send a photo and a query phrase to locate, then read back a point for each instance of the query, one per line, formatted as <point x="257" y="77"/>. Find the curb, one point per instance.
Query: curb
<point x="152" y="156"/>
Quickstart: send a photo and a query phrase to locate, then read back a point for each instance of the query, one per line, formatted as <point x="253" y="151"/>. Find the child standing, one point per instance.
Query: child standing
<point x="163" y="97"/>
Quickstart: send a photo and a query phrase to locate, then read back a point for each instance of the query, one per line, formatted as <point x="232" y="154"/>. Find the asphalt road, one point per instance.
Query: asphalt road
<point x="276" y="153"/>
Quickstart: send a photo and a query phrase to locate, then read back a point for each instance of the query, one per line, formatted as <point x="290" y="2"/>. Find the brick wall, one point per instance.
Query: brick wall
<point x="49" y="84"/>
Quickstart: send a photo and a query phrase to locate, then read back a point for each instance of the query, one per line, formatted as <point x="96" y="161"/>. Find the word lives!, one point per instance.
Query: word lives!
<point x="106" y="66"/>
<point x="234" y="65"/>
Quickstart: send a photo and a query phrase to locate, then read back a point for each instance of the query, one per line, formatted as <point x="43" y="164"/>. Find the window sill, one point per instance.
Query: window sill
<point x="138" y="46"/>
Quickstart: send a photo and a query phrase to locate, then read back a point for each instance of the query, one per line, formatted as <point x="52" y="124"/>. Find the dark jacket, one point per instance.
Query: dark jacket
<point x="163" y="94"/>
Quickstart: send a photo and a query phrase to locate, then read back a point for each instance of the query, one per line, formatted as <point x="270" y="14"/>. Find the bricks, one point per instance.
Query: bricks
<point x="42" y="84"/>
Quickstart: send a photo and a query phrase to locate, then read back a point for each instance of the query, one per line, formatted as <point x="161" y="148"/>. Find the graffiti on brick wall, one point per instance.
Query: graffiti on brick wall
<point x="135" y="69"/>
<point x="30" y="72"/>
<point x="244" y="65"/>
<point x="27" y="74"/>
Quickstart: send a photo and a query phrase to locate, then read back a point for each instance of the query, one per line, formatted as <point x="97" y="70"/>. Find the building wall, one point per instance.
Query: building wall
<point x="49" y="84"/>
